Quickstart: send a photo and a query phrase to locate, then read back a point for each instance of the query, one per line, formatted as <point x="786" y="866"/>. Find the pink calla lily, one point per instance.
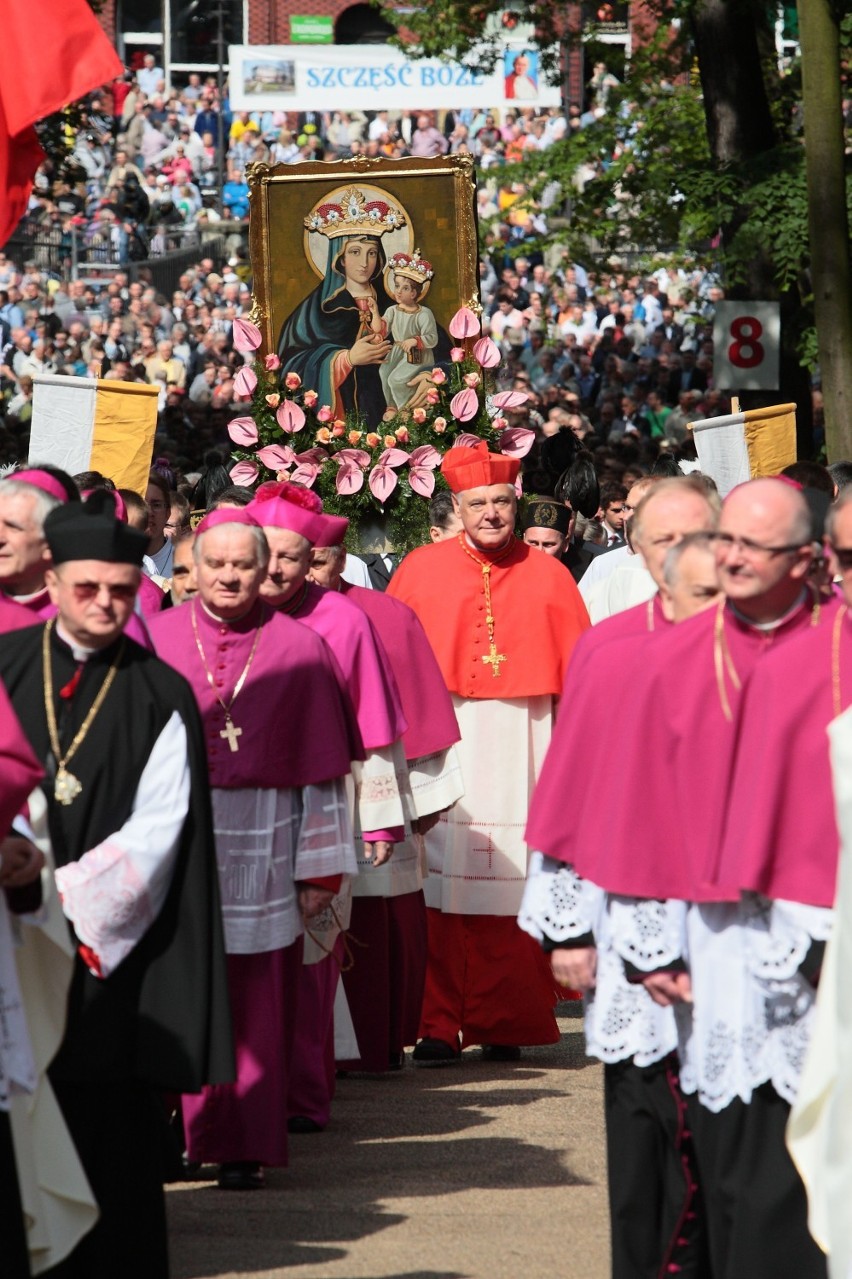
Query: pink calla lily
<point x="246" y="335"/>
<point x="305" y="473"/>
<point x="243" y="430"/>
<point x="350" y="479"/>
<point x="426" y="456"/>
<point x="422" y="463"/>
<point x="383" y="481"/>
<point x="516" y="441"/>
<point x="352" y="457"/>
<point x="245" y="382"/>
<point x="464" y="405"/>
<point x="290" y="417"/>
<point x="316" y="456"/>
<point x="509" y="399"/>
<point x="466" y="441"/>
<point x="464" y="324"/>
<point x="245" y="473"/>
<point x="276" y="456"/>
<point x="486" y="353"/>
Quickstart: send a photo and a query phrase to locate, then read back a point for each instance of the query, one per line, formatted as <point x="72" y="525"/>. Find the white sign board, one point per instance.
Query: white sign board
<point x="288" y="77"/>
<point x="746" y="346"/>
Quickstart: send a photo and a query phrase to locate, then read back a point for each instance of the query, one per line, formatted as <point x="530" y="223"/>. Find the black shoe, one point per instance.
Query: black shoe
<point x="242" y="1175"/>
<point x="435" y="1052"/>
<point x="396" y="1061"/>
<point x="501" y="1052"/>
<point x="301" y="1123"/>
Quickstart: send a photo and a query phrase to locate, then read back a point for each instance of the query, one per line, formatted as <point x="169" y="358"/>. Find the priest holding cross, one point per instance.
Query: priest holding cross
<point x="502" y="620"/>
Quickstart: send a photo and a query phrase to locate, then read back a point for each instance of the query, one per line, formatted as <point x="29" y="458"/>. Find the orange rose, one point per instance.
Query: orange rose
<point x="372" y="440"/>
<point x="323" y="435"/>
<point x="390" y="441"/>
<point x="354" y="437"/>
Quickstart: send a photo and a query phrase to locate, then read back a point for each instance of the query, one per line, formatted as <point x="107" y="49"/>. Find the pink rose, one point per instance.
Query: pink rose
<point x="439" y="425"/>
<point x="419" y="415"/>
<point x="271" y="363"/>
<point x="292" y="381"/>
<point x="273" y="400"/>
<point x="310" y="398"/>
<point x="338" y="430"/>
<point x="324" y="414"/>
<point x="439" y="377"/>
<point x="457" y="354"/>
<point x="500" y="423"/>
<point x="402" y="435"/>
<point x="432" y="397"/>
<point x="471" y="379"/>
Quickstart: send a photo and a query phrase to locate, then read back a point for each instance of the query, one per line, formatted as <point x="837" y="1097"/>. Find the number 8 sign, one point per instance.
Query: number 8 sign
<point x="746" y="343"/>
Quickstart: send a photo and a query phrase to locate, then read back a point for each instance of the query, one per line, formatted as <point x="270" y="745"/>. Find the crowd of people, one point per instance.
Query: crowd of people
<point x="430" y="795"/>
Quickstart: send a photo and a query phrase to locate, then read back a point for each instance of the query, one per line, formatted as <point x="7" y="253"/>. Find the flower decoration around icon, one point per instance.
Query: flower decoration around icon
<point x="464" y="324"/>
<point x="245" y="473"/>
<point x="290" y="417"/>
<point x="245" y="335"/>
<point x="516" y="441"/>
<point x="422" y="464"/>
<point x="383" y="477"/>
<point x="243" y="431"/>
<point x="465" y="405"/>
<point x="245" y="383"/>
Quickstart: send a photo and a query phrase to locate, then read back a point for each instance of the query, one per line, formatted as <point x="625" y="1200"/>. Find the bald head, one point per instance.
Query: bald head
<point x="763" y="548"/>
<point x="669" y="511"/>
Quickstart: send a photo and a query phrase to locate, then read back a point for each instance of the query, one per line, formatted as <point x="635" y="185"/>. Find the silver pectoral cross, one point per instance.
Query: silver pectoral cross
<point x="230" y="732"/>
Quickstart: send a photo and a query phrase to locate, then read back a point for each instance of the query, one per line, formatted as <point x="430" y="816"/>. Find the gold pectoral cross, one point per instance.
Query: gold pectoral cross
<point x="231" y="733"/>
<point x="493" y="659"/>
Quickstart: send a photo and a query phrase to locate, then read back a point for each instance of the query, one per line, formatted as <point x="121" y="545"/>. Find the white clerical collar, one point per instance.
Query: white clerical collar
<point x="27" y="599"/>
<point x="223" y="621"/>
<point x="79" y="653"/>
<point x="769" y="626"/>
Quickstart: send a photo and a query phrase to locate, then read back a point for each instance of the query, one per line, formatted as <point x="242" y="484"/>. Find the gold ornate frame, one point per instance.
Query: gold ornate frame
<point x="439" y="195"/>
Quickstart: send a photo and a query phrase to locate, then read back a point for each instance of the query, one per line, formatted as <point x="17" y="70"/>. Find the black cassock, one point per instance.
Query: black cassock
<point x="161" y="1020"/>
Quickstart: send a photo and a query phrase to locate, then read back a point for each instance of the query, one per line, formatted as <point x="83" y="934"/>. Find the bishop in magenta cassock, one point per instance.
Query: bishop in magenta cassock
<point x="657" y="843"/>
<point x="592" y="937"/>
<point x="292" y="521"/>
<point x="280" y="740"/>
<point x="384" y="985"/>
<point x="502" y="620"/>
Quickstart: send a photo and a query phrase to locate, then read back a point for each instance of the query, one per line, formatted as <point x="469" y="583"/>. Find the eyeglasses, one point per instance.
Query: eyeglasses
<point x="85" y="591"/>
<point x="753" y="550"/>
<point x="843" y="555"/>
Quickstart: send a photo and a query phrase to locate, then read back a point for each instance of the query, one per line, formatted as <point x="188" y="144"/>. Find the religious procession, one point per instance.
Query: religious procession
<point x="471" y="729"/>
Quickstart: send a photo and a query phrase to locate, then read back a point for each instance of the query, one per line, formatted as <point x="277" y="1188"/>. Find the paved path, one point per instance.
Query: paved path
<point x="473" y="1171"/>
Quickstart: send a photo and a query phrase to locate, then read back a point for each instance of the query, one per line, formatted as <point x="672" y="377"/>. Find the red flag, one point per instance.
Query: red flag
<point x="50" y="55"/>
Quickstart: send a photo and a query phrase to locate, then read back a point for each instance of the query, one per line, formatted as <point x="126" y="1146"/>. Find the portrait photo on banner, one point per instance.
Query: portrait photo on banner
<point x="358" y="268"/>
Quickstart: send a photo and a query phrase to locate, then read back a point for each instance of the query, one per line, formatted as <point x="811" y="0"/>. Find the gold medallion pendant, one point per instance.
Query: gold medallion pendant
<point x="66" y="787"/>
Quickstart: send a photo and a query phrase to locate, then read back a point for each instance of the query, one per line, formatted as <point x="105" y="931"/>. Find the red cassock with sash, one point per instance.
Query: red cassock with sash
<point x="505" y="669"/>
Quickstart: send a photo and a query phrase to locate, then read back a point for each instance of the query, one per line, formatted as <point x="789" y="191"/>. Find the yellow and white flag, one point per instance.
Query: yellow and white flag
<point x="746" y="446"/>
<point x="95" y="424"/>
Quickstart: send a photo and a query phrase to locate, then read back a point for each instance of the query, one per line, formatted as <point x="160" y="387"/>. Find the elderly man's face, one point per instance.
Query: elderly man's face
<point x="228" y="569"/>
<point x="24" y="555"/>
<point x="289" y="563"/>
<point x="488" y="514"/>
<point x="94" y="599"/>
<point x="184" y="576"/>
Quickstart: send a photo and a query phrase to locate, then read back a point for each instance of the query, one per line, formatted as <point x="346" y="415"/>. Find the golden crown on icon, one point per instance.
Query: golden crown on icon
<point x="354" y="214"/>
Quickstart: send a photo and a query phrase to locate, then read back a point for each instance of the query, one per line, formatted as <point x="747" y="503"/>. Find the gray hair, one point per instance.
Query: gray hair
<point x="261" y="545"/>
<point x="671" y="564"/>
<point x="42" y="506"/>
<point x="675" y="484"/>
<point x="843" y="499"/>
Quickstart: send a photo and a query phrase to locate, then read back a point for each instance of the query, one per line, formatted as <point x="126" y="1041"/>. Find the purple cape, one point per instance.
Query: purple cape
<point x="426" y="703"/>
<point x="652" y="813"/>
<point x="781" y="835"/>
<point x="367" y="669"/>
<point x="297" y="725"/>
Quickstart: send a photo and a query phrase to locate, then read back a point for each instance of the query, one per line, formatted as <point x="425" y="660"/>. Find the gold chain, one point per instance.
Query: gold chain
<point x="67" y="787"/>
<point x="723" y="662"/>
<point x="239" y="684"/>
<point x="492" y="658"/>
